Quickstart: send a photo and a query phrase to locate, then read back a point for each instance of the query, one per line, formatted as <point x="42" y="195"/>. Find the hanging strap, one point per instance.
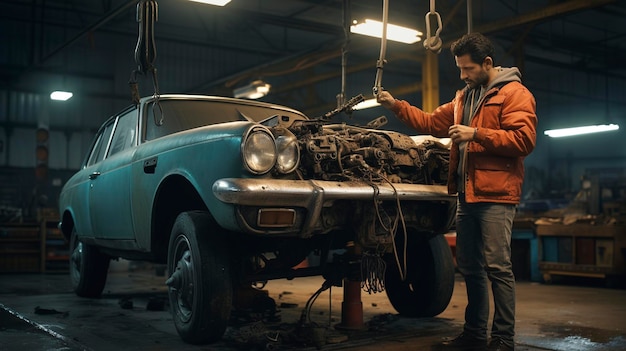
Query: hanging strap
<point x="383" y="49"/>
<point x="145" y="52"/>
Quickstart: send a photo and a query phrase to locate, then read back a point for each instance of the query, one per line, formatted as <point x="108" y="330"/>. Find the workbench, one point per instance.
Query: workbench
<point x="582" y="249"/>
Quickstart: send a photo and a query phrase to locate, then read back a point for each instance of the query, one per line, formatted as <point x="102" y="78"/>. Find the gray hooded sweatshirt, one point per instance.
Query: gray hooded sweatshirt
<point x="474" y="99"/>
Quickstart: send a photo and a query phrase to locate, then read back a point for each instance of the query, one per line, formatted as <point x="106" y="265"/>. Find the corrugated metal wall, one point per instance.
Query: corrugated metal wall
<point x="24" y="113"/>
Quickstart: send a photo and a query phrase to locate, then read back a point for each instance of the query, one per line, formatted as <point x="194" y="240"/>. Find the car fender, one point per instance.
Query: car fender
<point x="183" y="155"/>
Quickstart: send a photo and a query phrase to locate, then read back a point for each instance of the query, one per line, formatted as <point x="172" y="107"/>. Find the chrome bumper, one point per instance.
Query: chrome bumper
<point x="315" y="194"/>
<point x="302" y="193"/>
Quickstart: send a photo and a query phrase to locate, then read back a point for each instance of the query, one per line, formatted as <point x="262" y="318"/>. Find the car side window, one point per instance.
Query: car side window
<point x="100" y="146"/>
<point x="125" y="132"/>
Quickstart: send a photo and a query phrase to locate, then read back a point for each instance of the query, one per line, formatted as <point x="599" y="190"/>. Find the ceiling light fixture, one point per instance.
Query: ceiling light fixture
<point x="61" y="95"/>
<point x="563" y="132"/>
<point x="213" y="2"/>
<point x="369" y="103"/>
<point x="254" y="90"/>
<point x="374" y="28"/>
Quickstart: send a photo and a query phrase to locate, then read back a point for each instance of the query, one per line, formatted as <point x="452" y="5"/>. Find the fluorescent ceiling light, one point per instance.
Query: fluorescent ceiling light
<point x="254" y="90"/>
<point x="213" y="2"/>
<point x="61" y="95"/>
<point x="394" y="32"/>
<point x="369" y="103"/>
<point x="558" y="133"/>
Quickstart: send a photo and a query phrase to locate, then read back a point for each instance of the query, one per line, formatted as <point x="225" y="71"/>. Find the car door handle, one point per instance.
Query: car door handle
<point x="94" y="175"/>
<point x="149" y="165"/>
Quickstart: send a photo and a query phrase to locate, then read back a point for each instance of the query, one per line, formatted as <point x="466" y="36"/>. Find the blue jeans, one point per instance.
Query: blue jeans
<point x="483" y="253"/>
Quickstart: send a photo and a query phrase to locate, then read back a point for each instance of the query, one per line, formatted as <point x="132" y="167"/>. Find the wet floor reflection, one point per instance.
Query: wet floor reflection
<point x="573" y="337"/>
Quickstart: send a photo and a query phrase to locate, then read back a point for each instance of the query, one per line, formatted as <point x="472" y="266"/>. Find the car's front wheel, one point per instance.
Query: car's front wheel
<point x="200" y="286"/>
<point x="429" y="283"/>
<point x="88" y="268"/>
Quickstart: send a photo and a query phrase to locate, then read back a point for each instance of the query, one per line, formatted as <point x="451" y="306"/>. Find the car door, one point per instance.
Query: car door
<point x="78" y="191"/>
<point x="109" y="201"/>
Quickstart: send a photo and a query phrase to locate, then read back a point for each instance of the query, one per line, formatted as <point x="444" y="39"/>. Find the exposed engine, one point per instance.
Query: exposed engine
<point x="340" y="152"/>
<point x="343" y="152"/>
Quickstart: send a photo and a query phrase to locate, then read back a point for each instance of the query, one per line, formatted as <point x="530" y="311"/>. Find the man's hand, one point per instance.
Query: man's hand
<point x="385" y="99"/>
<point x="460" y="133"/>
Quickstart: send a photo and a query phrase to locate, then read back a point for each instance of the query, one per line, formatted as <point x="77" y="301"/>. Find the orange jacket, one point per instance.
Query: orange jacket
<point x="506" y="122"/>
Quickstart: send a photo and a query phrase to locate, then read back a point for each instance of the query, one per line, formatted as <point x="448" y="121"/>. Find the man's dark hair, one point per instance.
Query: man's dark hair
<point x="474" y="44"/>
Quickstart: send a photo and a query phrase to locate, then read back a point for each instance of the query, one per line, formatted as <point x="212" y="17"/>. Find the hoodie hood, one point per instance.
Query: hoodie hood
<point x="505" y="75"/>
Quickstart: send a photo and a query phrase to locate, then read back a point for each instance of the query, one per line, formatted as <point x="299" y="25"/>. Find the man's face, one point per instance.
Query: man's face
<point x="472" y="73"/>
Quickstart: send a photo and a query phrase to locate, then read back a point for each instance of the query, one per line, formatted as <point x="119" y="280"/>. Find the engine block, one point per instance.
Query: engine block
<point x="343" y="152"/>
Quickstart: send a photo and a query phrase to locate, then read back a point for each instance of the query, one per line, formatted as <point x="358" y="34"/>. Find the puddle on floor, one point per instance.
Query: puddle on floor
<point x="573" y="337"/>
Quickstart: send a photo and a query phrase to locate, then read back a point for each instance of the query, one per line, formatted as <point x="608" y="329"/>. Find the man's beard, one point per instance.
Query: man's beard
<point x="482" y="79"/>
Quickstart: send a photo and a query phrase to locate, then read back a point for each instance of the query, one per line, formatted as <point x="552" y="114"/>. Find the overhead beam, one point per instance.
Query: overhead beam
<point x="535" y="16"/>
<point x="330" y="75"/>
<point x="287" y="22"/>
<point x="543" y="13"/>
<point x="109" y="16"/>
<point x="573" y="67"/>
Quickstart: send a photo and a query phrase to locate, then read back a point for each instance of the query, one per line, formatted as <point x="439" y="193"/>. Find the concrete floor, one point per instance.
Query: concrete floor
<point x="40" y="312"/>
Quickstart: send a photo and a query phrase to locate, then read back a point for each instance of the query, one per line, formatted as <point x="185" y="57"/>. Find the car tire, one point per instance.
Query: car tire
<point x="429" y="283"/>
<point x="200" y="286"/>
<point x="88" y="268"/>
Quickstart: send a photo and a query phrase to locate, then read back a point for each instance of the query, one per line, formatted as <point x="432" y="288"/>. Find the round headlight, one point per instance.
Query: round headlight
<point x="288" y="153"/>
<point x="259" y="151"/>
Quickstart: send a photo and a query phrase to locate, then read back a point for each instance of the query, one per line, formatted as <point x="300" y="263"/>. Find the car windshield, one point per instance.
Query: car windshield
<point x="172" y="116"/>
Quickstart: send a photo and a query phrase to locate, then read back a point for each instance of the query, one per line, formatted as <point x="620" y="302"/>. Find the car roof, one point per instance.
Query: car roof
<point x="221" y="99"/>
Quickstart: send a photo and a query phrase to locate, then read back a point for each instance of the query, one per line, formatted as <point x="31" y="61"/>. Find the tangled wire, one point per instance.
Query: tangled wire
<point x="372" y="273"/>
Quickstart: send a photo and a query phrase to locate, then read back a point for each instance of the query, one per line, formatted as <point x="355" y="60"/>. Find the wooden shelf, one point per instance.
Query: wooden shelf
<point x="581" y="250"/>
<point x="20" y="252"/>
<point x="19" y="240"/>
<point x="33" y="247"/>
<point x="57" y="258"/>
<point x="20" y="249"/>
<point x="578" y="230"/>
<point x="54" y="247"/>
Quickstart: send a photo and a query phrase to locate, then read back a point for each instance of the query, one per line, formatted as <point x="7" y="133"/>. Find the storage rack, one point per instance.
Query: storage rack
<point x="33" y="247"/>
<point x="583" y="250"/>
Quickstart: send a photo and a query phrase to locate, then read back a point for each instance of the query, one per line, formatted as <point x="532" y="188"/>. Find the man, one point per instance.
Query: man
<point x="492" y="123"/>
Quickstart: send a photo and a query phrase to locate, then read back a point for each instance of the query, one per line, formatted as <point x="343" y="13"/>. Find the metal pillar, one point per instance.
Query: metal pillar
<point x="430" y="82"/>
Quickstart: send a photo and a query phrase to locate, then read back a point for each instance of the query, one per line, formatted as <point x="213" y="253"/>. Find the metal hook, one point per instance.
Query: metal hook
<point x="433" y="43"/>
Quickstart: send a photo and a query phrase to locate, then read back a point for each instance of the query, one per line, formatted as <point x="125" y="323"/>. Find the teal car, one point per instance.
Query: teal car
<point x="228" y="193"/>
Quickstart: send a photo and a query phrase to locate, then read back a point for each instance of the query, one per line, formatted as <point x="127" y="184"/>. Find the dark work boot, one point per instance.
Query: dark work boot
<point x="465" y="342"/>
<point x="499" y="345"/>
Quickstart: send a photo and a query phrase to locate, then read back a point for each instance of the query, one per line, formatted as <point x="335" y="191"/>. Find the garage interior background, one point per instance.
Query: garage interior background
<point x="570" y="53"/>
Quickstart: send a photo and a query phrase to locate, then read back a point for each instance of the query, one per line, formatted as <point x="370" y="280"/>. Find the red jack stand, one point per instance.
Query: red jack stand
<point x="351" y="307"/>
